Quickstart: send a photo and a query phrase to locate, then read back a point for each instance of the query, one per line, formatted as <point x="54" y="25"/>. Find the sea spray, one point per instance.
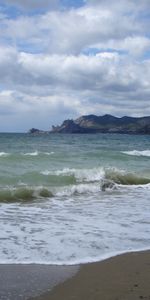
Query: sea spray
<point x="145" y="153"/>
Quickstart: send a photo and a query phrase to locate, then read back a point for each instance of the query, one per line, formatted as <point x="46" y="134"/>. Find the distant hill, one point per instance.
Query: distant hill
<point x="101" y="124"/>
<point x="105" y="124"/>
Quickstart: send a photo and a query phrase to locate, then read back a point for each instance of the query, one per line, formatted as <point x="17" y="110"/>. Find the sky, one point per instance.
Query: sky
<point x="60" y="59"/>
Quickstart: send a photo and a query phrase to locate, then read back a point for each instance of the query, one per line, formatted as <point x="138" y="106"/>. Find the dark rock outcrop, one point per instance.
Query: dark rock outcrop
<point x="36" y="131"/>
<point x="101" y="124"/>
<point x="68" y="126"/>
<point x="105" y="124"/>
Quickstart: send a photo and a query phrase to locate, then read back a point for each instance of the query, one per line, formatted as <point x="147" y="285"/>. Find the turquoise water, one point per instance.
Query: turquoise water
<point x="66" y="199"/>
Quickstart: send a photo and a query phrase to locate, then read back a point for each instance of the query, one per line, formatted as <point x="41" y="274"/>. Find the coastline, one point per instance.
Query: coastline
<point x="124" y="277"/>
<point x="23" y="281"/>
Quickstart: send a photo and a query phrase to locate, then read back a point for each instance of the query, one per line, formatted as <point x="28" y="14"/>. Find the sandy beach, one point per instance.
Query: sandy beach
<point x="125" y="277"/>
<point x="21" y="282"/>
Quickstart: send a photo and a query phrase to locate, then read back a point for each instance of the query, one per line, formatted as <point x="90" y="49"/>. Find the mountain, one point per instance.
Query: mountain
<point x="101" y="124"/>
<point x="105" y="124"/>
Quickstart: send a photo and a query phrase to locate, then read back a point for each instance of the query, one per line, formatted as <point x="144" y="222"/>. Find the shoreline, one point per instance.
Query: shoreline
<point x="23" y="281"/>
<point x="123" y="277"/>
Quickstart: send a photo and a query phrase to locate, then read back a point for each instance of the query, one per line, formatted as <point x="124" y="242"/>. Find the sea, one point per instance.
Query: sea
<point x="71" y="199"/>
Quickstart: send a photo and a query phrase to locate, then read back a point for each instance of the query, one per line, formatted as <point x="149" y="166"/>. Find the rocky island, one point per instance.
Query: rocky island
<point x="101" y="124"/>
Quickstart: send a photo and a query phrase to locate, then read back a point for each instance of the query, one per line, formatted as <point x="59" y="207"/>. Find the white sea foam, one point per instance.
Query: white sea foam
<point x="78" y="189"/>
<point x="74" y="262"/>
<point x="46" y="173"/>
<point x="138" y="153"/>
<point x="4" y="154"/>
<point x="35" y="153"/>
<point x="94" y="188"/>
<point x="81" y="175"/>
<point x="81" y="223"/>
<point x="48" y="153"/>
<point x="96" y="179"/>
<point x="75" y="231"/>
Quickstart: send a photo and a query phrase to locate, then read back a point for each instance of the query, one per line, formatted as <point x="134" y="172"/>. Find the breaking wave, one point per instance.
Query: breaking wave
<point x="25" y="194"/>
<point x="4" y="154"/>
<point x="121" y="177"/>
<point x="114" y="179"/>
<point x="100" y="175"/>
<point x="138" y="153"/>
<point x="81" y="175"/>
<point x="97" y="179"/>
<point x="79" y="189"/>
<point x="68" y="182"/>
<point x="31" y="153"/>
<point x="36" y="153"/>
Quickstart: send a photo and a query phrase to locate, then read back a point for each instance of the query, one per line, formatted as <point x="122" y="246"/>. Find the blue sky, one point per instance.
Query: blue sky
<point x="64" y="58"/>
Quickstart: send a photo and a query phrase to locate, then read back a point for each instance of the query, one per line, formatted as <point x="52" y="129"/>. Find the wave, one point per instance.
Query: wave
<point x="36" y="153"/>
<point x="76" y="261"/>
<point x="25" y="194"/>
<point x="98" y="179"/>
<point x="79" y="189"/>
<point x="68" y="182"/>
<point x="115" y="178"/>
<point x="29" y="194"/>
<point x="81" y="175"/>
<point x="138" y="153"/>
<point x="4" y="154"/>
<point x="100" y="175"/>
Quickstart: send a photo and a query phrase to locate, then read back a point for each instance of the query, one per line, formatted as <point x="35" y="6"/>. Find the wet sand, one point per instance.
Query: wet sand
<point x="21" y="282"/>
<point x="125" y="277"/>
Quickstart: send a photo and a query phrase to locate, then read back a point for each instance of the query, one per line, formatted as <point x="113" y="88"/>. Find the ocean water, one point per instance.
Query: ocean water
<point x="69" y="199"/>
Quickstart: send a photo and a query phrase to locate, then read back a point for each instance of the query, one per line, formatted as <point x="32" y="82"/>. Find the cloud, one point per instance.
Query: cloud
<point x="65" y="86"/>
<point x="81" y="72"/>
<point x="70" y="31"/>
<point x="20" y="111"/>
<point x="67" y="62"/>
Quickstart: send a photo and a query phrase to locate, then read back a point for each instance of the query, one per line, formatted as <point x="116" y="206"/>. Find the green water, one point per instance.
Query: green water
<point x="69" y="199"/>
<point x="37" y="162"/>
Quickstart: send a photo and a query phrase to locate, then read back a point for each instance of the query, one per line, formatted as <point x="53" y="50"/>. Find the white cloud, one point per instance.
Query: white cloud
<point x="72" y="72"/>
<point x="20" y="111"/>
<point x="46" y="76"/>
<point x="61" y="85"/>
<point x="136" y="45"/>
<point x="70" y="31"/>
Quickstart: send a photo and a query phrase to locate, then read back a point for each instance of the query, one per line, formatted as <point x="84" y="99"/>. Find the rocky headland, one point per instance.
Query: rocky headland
<point x="101" y="124"/>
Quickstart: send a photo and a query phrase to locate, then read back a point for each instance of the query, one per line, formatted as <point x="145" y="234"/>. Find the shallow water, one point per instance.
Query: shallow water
<point x="68" y="199"/>
<point x="23" y="282"/>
